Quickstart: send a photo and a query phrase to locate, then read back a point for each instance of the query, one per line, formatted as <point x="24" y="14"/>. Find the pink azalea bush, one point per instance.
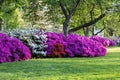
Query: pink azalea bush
<point x="75" y="45"/>
<point x="12" y="49"/>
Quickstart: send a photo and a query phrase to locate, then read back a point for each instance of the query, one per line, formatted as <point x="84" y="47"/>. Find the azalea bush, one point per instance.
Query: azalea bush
<point x="104" y="41"/>
<point x="53" y="38"/>
<point x="112" y="42"/>
<point x="118" y="41"/>
<point x="58" y="51"/>
<point x="75" y="45"/>
<point x="34" y="39"/>
<point x="84" y="46"/>
<point x="12" y="49"/>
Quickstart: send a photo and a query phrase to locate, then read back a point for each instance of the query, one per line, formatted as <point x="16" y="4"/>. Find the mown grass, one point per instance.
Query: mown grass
<point x="98" y="68"/>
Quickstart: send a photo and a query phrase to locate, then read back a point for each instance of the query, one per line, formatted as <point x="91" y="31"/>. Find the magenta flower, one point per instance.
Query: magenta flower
<point x="12" y="49"/>
<point x="80" y="46"/>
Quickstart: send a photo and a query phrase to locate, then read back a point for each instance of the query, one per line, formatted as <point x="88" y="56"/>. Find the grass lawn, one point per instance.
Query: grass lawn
<point x="99" y="68"/>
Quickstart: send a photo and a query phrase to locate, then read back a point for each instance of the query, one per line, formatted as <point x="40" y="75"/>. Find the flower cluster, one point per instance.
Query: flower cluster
<point x="75" y="45"/>
<point x="53" y="38"/>
<point x="117" y="40"/>
<point x="104" y="41"/>
<point x="84" y="46"/>
<point x="34" y="39"/>
<point x="112" y="42"/>
<point x="12" y="49"/>
<point x="58" y="51"/>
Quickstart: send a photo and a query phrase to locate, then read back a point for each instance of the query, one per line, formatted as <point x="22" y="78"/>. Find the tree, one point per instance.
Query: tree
<point x="68" y="15"/>
<point x="9" y="10"/>
<point x="0" y="23"/>
<point x="34" y="13"/>
<point x="1" y="2"/>
<point x="101" y="9"/>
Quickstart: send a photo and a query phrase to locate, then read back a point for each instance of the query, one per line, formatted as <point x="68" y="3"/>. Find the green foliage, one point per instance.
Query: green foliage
<point x="87" y="10"/>
<point x="41" y="12"/>
<point x="10" y="11"/>
<point x="33" y="13"/>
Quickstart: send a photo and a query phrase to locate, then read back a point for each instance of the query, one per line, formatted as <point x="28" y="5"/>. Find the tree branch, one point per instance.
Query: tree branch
<point x="67" y="9"/>
<point x="1" y="2"/>
<point x="63" y="9"/>
<point x="68" y="16"/>
<point x="74" y="8"/>
<point x="88" y="24"/>
<point x="91" y="12"/>
<point x="0" y="23"/>
<point x="99" y="31"/>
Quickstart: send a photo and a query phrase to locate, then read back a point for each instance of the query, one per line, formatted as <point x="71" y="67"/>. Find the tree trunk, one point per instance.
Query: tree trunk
<point x="65" y="27"/>
<point x="101" y="29"/>
<point x="87" y="31"/>
<point x="68" y="14"/>
<point x="0" y="24"/>
<point x="93" y="29"/>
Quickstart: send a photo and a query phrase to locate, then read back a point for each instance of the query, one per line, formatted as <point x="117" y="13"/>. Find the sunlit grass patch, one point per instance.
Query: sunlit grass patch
<point x="113" y="49"/>
<point x="98" y="68"/>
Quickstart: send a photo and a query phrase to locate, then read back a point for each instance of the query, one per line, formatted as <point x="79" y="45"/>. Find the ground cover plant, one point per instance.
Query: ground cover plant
<point x="97" y="68"/>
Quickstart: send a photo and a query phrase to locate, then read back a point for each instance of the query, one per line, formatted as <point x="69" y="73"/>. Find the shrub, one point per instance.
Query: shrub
<point x="104" y="41"/>
<point x="118" y="41"/>
<point x="58" y="51"/>
<point x="75" y="45"/>
<point x="12" y="49"/>
<point x="112" y="42"/>
<point x="34" y="39"/>
<point x="53" y="38"/>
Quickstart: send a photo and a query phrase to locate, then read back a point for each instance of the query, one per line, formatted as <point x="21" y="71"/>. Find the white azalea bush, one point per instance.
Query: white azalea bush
<point x="34" y="39"/>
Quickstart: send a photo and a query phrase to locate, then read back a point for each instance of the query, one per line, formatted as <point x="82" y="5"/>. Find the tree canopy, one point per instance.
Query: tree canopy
<point x="88" y="12"/>
<point x="82" y="16"/>
<point x="10" y="12"/>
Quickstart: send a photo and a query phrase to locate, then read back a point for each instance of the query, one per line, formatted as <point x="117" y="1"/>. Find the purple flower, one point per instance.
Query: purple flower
<point x="12" y="49"/>
<point x="112" y="43"/>
<point x="76" y="45"/>
<point x="105" y="42"/>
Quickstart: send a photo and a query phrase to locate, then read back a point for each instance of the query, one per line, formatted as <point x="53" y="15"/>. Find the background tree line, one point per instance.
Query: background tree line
<point x="86" y="17"/>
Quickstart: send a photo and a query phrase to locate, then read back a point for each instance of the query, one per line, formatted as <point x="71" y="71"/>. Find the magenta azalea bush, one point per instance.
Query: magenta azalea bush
<point x="75" y="45"/>
<point x="12" y="49"/>
<point x="104" y="41"/>
<point x="112" y="42"/>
